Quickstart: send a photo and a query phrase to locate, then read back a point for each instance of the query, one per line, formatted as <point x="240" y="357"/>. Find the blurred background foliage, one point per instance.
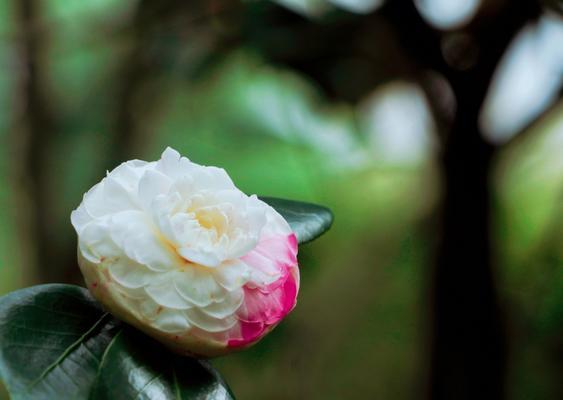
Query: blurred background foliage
<point x="87" y="84"/>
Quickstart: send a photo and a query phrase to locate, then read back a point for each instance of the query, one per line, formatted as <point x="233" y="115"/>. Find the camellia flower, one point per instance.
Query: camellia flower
<point x="176" y="250"/>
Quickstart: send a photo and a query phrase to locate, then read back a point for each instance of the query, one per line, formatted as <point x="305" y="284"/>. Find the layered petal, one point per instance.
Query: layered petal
<point x="133" y="232"/>
<point x="198" y="286"/>
<point x="175" y="249"/>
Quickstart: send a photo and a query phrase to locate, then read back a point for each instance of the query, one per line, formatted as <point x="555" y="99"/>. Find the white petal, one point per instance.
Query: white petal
<point x="152" y="184"/>
<point x="225" y="308"/>
<point x="169" y="158"/>
<point x="149" y="308"/>
<point x="94" y="202"/>
<point x="198" y="286"/>
<point x="117" y="196"/>
<point x="132" y="294"/>
<point x="95" y="242"/>
<point x="213" y="179"/>
<point x="79" y="218"/>
<point x="130" y="274"/>
<point x="167" y="205"/>
<point x="264" y="270"/>
<point x="184" y="186"/>
<point x="171" y="321"/>
<point x="276" y="224"/>
<point x="200" y="256"/>
<point x="165" y="294"/>
<point x="129" y="173"/>
<point x="206" y="322"/>
<point x="255" y="216"/>
<point x="132" y="231"/>
<point x="232" y="274"/>
<point x="241" y="245"/>
<point x="181" y="228"/>
<point x="174" y="165"/>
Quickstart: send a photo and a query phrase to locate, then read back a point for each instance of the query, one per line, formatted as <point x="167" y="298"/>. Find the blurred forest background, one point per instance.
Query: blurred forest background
<point x="339" y="102"/>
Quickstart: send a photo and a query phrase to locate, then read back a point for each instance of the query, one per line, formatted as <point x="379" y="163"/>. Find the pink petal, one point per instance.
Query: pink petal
<point x="265" y="306"/>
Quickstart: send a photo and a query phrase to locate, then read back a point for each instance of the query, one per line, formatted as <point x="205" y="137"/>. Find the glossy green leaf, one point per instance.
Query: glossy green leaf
<point x="307" y="220"/>
<point x="158" y="374"/>
<point x="57" y="343"/>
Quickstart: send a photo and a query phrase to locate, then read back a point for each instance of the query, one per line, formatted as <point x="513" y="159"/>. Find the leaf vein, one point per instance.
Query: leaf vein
<point x="69" y="349"/>
<point x="176" y="385"/>
<point x="140" y="391"/>
<point x="103" y="360"/>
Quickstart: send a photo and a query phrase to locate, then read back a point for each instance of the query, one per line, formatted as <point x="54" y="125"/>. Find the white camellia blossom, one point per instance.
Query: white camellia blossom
<point x="175" y="249"/>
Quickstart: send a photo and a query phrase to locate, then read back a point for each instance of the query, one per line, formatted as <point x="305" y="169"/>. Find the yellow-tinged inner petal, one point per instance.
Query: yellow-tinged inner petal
<point x="212" y="218"/>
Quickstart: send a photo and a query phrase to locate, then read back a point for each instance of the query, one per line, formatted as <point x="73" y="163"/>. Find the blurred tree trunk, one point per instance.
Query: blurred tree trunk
<point x="136" y="67"/>
<point x="54" y="260"/>
<point x="468" y="352"/>
<point x="468" y="346"/>
<point x="34" y="139"/>
<point x="469" y="343"/>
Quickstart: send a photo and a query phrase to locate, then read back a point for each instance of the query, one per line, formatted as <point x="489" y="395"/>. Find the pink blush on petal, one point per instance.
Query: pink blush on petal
<point x="290" y="289"/>
<point x="250" y="332"/>
<point x="275" y="306"/>
<point x="266" y="306"/>
<point x="292" y="240"/>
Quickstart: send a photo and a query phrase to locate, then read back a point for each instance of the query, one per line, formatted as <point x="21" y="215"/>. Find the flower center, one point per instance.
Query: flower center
<point x="211" y="218"/>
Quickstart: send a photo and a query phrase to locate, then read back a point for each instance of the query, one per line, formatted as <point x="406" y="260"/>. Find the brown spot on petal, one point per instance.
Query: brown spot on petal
<point x="159" y="310"/>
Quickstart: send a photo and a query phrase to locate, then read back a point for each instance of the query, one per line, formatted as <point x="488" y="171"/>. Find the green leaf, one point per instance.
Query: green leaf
<point x="156" y="377"/>
<point x="308" y="221"/>
<point x="57" y="343"/>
